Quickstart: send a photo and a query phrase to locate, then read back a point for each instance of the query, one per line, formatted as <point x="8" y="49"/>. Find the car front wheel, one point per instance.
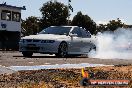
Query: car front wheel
<point x="62" y="50"/>
<point x="27" y="54"/>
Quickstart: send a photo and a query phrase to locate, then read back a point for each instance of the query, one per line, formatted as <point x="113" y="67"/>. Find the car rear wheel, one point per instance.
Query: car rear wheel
<point x="27" y="54"/>
<point x="62" y="50"/>
<point x="93" y="48"/>
<point x="92" y="51"/>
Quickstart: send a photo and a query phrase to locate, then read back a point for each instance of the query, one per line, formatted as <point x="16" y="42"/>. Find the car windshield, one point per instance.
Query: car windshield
<point x="56" y="30"/>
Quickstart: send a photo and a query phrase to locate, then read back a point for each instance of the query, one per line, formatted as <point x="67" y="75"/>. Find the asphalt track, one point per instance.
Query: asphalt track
<point x="15" y="58"/>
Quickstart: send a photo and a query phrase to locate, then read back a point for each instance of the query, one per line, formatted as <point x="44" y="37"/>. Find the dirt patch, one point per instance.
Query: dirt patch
<point x="63" y="78"/>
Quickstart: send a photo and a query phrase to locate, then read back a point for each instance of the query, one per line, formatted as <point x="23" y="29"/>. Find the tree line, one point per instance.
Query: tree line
<point x="56" y="14"/>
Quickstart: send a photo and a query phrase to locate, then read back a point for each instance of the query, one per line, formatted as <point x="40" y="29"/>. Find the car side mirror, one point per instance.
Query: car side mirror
<point x="73" y="35"/>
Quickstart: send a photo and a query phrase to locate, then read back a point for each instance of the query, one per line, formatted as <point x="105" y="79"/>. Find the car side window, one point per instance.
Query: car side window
<point x="85" y="34"/>
<point x="77" y="31"/>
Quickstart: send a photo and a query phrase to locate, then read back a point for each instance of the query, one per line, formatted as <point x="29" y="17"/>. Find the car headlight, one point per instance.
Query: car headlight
<point x="22" y="41"/>
<point x="47" y="41"/>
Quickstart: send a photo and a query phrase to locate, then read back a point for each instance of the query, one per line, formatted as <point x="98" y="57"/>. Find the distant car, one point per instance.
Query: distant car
<point x="58" y="40"/>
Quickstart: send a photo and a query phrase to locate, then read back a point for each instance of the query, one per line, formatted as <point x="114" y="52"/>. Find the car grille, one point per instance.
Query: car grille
<point x="36" y="40"/>
<point x="30" y="40"/>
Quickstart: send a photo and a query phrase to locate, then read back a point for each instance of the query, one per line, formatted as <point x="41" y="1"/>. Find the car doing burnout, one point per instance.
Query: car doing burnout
<point x="58" y="40"/>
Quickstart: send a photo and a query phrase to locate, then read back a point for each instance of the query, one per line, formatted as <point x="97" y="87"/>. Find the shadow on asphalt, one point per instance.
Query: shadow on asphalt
<point x="53" y="57"/>
<point x="38" y="56"/>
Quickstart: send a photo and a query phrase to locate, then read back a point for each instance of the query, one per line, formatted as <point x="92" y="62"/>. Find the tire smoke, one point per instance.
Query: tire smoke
<point x="114" y="45"/>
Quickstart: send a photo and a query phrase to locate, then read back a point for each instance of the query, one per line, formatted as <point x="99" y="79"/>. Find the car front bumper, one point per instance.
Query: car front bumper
<point x="47" y="48"/>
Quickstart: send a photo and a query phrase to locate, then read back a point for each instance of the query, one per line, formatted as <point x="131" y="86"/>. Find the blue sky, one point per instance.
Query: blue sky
<point x="101" y="11"/>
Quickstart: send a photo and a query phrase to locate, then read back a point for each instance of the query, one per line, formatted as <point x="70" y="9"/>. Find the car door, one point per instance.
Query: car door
<point x="86" y="43"/>
<point x="75" y="44"/>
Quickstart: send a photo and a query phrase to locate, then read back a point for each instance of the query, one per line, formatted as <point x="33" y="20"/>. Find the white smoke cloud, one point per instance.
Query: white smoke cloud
<point x="116" y="45"/>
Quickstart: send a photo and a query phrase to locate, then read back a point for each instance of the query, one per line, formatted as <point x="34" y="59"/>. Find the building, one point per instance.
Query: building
<point x="10" y="26"/>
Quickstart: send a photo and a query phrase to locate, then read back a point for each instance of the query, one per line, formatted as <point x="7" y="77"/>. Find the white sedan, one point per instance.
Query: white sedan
<point x="58" y="40"/>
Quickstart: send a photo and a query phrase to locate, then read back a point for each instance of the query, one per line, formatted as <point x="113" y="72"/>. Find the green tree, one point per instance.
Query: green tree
<point x="31" y="25"/>
<point x="53" y="14"/>
<point x="114" y="24"/>
<point x="102" y="27"/>
<point x="84" y="21"/>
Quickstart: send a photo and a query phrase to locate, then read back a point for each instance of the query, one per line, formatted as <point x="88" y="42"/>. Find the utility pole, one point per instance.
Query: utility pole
<point x="68" y="12"/>
<point x="69" y="8"/>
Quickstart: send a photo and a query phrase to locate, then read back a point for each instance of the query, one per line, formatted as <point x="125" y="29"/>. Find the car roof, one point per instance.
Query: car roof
<point x="63" y="26"/>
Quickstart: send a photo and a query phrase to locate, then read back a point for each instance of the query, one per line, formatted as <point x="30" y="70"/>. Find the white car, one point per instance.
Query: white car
<point x="58" y="40"/>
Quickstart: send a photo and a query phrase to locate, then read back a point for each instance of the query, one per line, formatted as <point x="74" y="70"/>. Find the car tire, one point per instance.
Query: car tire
<point x="27" y="54"/>
<point x="62" y="50"/>
<point x="92" y="51"/>
<point x="92" y="48"/>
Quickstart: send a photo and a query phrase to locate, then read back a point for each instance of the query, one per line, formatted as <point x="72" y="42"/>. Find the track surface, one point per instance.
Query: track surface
<point x="15" y="58"/>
